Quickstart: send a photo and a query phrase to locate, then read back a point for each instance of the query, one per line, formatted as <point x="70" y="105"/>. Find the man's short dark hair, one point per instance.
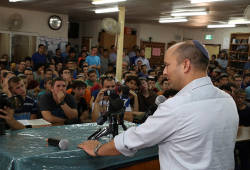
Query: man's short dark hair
<point x="91" y="71"/>
<point x="46" y="80"/>
<point x="27" y="59"/>
<point x="71" y="60"/>
<point x="150" y="71"/>
<point x="246" y="75"/>
<point x="47" y="69"/>
<point x="93" y="47"/>
<point x="28" y="68"/>
<point x="135" y="78"/>
<point x="78" y="83"/>
<point x="188" y="50"/>
<point x="14" y="79"/>
<point x="22" y="60"/>
<point x="57" y="79"/>
<point x="163" y="80"/>
<point x="125" y="73"/>
<point x="223" y="76"/>
<point x="40" y="45"/>
<point x="106" y="78"/>
<point x="226" y="87"/>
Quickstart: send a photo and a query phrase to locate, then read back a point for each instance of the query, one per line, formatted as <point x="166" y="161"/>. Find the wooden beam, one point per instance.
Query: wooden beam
<point x="120" y="44"/>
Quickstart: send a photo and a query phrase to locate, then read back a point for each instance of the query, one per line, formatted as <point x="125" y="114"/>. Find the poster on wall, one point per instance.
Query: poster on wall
<point x="156" y="52"/>
<point x="148" y="52"/>
<point x="52" y="44"/>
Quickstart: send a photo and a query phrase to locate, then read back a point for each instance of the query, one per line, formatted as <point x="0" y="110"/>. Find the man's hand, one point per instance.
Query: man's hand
<point x="8" y="114"/>
<point x="100" y="95"/>
<point x="60" y="96"/>
<point x="132" y="93"/>
<point x="89" y="146"/>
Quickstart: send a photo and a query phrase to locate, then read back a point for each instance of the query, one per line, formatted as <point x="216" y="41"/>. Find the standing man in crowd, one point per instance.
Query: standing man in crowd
<point x="113" y="55"/>
<point x="195" y="129"/>
<point x="93" y="60"/>
<point x="143" y="59"/>
<point x="39" y="58"/>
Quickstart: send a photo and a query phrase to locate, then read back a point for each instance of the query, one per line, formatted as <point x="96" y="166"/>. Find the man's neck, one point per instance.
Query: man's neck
<point x="191" y="77"/>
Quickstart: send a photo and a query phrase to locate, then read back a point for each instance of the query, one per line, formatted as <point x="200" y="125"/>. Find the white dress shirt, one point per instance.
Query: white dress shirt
<point x="194" y="130"/>
<point x="144" y="61"/>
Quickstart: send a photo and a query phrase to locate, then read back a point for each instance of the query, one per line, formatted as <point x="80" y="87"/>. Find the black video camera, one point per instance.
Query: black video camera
<point x="110" y="93"/>
<point x="13" y="102"/>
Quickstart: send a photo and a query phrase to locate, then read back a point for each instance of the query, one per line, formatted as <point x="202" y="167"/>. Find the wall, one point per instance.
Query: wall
<point x="220" y="36"/>
<point x="165" y="33"/>
<point x="159" y="33"/>
<point x="4" y="47"/>
<point x="34" y="22"/>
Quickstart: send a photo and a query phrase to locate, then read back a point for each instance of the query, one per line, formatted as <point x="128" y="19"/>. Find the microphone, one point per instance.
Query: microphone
<point x="151" y="109"/>
<point x="160" y="99"/>
<point x="61" y="144"/>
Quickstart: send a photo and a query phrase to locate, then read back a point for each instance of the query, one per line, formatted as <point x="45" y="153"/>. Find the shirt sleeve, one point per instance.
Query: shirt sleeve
<point x="71" y="102"/>
<point x="87" y="60"/>
<point x="43" y="103"/>
<point x="155" y="130"/>
<point x="98" y="61"/>
<point x="34" y="108"/>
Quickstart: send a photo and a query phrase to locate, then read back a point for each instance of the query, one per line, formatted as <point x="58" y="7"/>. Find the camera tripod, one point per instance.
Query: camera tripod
<point x="114" y="121"/>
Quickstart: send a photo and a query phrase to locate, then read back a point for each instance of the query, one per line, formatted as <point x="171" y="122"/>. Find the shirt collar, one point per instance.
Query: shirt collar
<point x="196" y="84"/>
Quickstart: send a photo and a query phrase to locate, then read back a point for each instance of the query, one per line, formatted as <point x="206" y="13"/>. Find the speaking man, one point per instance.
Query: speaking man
<point x="195" y="129"/>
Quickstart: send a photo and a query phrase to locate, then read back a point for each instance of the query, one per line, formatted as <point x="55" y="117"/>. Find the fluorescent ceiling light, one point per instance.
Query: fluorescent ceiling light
<point x="172" y="20"/>
<point x="239" y="21"/>
<point x="185" y="14"/>
<point x="15" y="0"/>
<point x="189" y="10"/>
<point x="202" y="1"/>
<point x="222" y="26"/>
<point x="106" y="10"/>
<point x="98" y="2"/>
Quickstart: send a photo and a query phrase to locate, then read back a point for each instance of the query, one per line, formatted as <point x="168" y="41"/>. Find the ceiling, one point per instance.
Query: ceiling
<point x="138" y="11"/>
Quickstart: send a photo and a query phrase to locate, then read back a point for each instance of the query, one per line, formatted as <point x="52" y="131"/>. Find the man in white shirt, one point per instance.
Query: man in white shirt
<point x="196" y="129"/>
<point x="143" y="59"/>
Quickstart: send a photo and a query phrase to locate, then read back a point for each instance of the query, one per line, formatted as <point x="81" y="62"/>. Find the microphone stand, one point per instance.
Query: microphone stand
<point x="112" y="128"/>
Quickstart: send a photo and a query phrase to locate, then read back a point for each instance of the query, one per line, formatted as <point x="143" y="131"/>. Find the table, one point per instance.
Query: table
<point x="26" y="149"/>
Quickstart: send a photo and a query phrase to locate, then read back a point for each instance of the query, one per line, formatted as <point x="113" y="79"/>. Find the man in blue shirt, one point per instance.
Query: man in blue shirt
<point x="39" y="58"/>
<point x="93" y="60"/>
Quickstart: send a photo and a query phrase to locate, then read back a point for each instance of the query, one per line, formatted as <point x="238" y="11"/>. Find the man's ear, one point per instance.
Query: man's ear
<point x="186" y="65"/>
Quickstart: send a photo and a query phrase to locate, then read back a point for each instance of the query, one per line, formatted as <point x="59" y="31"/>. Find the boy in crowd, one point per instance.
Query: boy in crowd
<point x="78" y="90"/>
